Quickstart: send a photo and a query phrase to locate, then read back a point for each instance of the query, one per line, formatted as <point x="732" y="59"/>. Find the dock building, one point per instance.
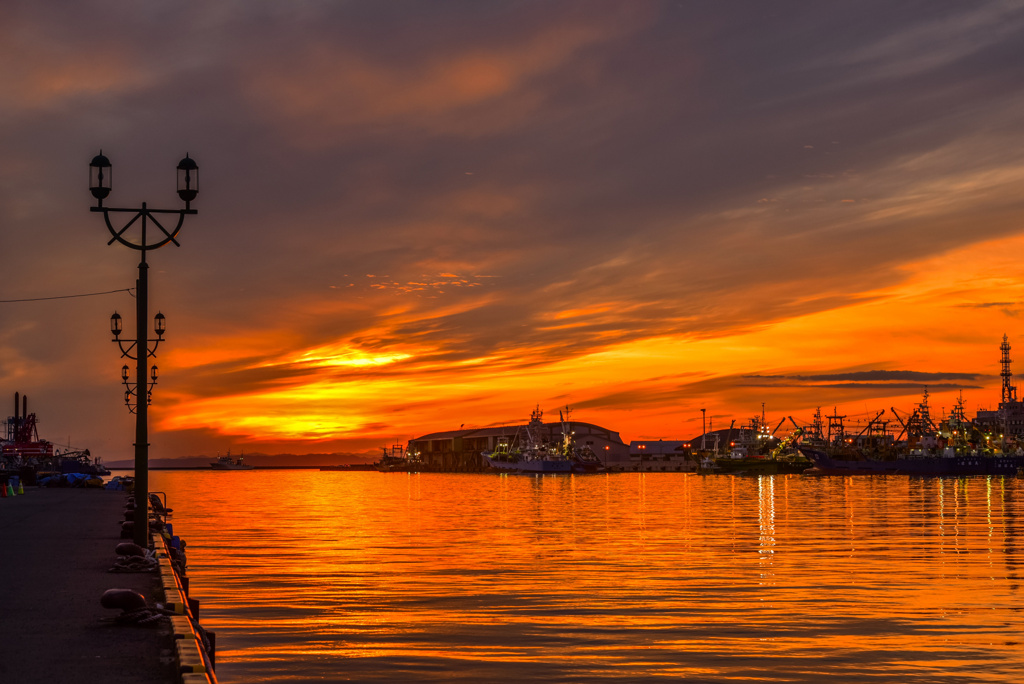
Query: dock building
<point x="661" y="456"/>
<point x="459" y="450"/>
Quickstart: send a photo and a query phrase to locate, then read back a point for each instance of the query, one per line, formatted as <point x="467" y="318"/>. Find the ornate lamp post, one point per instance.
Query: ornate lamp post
<point x="137" y="234"/>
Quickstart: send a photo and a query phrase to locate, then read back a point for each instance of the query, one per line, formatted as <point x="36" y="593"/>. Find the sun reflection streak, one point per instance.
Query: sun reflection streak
<point x="766" y="522"/>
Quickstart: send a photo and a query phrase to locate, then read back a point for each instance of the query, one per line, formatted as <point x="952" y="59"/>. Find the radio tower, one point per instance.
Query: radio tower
<point x="1009" y="391"/>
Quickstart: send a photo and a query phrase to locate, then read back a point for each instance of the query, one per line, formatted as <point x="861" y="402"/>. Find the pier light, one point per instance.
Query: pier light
<point x="139" y="389"/>
<point x="100" y="175"/>
<point x="188" y="179"/>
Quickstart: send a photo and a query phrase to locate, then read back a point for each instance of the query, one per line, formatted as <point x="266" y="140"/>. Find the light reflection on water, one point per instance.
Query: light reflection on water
<point x="314" y="576"/>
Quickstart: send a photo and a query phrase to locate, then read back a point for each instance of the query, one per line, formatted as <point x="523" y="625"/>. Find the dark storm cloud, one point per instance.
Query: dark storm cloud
<point x="606" y="129"/>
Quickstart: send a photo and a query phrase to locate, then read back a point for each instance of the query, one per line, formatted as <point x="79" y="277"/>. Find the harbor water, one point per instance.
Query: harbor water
<point x="364" y="576"/>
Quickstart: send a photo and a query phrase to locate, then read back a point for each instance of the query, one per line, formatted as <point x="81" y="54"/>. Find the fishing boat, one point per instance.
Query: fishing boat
<point x="757" y="451"/>
<point x="951" y="464"/>
<point x="948" y="449"/>
<point x="584" y="460"/>
<point x="228" y="463"/>
<point x="528" y="455"/>
<point x="78" y="461"/>
<point x="394" y="461"/>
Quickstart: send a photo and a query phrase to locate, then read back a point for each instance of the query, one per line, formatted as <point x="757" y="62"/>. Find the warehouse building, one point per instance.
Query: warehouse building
<point x="459" y="450"/>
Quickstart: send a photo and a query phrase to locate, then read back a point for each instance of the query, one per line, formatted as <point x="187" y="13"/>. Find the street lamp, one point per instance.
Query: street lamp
<point x="136" y="234"/>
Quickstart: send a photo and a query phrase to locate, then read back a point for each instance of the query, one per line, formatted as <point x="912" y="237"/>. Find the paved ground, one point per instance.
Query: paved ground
<point x="55" y="548"/>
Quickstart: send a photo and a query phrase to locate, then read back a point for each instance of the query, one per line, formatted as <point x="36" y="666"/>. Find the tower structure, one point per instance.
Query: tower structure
<point x="1009" y="391"/>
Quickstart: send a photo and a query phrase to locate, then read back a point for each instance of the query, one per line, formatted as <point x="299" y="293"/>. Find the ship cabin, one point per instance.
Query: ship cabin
<point x="1007" y="420"/>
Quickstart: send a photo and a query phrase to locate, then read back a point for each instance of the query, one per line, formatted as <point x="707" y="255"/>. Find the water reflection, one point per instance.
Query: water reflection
<point x="766" y="519"/>
<point x="393" y="577"/>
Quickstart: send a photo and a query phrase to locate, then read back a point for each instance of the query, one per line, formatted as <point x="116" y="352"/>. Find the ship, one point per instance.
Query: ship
<point x="949" y="464"/>
<point x="394" y="461"/>
<point x="527" y="455"/>
<point x="757" y="451"/>
<point x="228" y="463"/>
<point x="24" y="453"/>
<point x="584" y="460"/>
<point x="953" y="448"/>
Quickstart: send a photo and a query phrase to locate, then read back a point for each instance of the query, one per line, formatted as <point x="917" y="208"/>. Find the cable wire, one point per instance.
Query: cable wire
<point x="129" y="290"/>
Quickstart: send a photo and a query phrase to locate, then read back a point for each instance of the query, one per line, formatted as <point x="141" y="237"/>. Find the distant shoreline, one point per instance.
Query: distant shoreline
<point x="288" y="467"/>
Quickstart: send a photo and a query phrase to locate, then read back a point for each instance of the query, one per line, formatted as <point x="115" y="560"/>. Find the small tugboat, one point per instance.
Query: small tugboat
<point x="228" y="463"/>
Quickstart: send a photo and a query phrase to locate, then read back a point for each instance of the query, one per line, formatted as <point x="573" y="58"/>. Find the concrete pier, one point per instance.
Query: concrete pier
<point x="55" y="548"/>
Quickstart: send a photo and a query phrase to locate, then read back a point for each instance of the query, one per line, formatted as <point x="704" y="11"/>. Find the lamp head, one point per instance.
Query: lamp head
<point x="153" y="374"/>
<point x="115" y="324"/>
<point x="188" y="179"/>
<point x="159" y="324"/>
<point x="100" y="175"/>
<point x="124" y="372"/>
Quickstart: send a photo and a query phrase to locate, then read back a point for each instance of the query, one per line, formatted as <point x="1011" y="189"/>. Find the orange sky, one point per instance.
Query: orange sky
<point x="414" y="217"/>
<point x="648" y="387"/>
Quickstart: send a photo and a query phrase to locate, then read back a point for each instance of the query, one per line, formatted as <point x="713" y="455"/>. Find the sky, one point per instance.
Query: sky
<point x="416" y="216"/>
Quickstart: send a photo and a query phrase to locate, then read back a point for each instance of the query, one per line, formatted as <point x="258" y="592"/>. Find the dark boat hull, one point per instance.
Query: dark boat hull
<point x="954" y="466"/>
<point x="531" y="466"/>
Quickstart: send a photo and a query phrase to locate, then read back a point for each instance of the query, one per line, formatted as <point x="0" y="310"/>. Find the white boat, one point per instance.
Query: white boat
<point x="228" y="463"/>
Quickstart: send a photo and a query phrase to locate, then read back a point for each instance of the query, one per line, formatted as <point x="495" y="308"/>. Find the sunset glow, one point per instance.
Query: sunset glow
<point x="637" y="210"/>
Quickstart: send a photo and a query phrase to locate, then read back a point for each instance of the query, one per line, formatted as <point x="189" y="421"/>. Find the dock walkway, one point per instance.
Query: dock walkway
<point x="55" y="548"/>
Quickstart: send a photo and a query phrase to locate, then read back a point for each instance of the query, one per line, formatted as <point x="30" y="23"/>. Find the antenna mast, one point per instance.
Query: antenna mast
<point x="1009" y="391"/>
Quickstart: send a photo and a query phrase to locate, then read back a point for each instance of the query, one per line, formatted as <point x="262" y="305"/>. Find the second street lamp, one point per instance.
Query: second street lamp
<point x="136" y="234"/>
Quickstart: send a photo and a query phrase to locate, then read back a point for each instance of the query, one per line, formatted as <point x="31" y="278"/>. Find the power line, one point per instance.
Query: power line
<point x="129" y="290"/>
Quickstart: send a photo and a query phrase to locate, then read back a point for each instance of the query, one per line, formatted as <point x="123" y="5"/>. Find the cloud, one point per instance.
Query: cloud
<point x="472" y="87"/>
<point x="872" y="376"/>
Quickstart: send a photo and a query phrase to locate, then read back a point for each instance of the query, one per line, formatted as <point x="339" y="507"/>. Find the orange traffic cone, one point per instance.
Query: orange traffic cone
<point x="3" y="492"/>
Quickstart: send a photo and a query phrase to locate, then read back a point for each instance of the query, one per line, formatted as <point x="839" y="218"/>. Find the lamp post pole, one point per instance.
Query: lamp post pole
<point x="136" y="235"/>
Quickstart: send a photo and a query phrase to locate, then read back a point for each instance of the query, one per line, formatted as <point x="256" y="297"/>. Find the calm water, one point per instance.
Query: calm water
<point x="326" y="576"/>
